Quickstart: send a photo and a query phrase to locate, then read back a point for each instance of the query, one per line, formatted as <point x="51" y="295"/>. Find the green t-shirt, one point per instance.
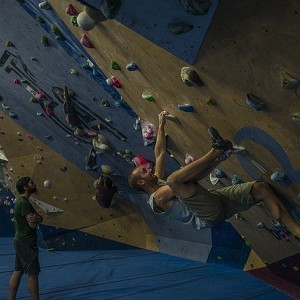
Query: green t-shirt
<point x="23" y="231"/>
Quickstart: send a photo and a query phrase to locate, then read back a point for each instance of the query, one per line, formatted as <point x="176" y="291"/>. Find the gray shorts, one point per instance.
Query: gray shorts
<point x="27" y="257"/>
<point x="214" y="206"/>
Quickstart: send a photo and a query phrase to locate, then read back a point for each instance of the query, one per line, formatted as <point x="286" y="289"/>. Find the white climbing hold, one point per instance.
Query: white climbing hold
<point x="47" y="184"/>
<point x="85" y="22"/>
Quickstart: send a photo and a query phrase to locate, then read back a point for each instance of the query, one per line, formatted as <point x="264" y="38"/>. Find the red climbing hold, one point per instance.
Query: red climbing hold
<point x="116" y="82"/>
<point x="71" y="10"/>
<point x="49" y="112"/>
<point x="16" y="81"/>
<point x="86" y="42"/>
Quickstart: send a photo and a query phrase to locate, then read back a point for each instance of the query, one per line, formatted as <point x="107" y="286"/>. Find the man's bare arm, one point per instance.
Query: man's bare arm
<point x="34" y="219"/>
<point x="160" y="150"/>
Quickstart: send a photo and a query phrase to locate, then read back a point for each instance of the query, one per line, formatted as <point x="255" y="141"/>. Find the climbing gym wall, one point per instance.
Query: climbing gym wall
<point x="244" y="84"/>
<point x="247" y="88"/>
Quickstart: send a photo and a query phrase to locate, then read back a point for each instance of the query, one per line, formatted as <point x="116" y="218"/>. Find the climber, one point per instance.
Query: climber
<point x="183" y="197"/>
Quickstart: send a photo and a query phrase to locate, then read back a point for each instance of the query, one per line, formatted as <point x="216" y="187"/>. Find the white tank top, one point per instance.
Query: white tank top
<point x="179" y="212"/>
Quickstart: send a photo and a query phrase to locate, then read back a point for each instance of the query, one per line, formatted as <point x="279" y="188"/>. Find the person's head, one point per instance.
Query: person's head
<point x="141" y="177"/>
<point x="25" y="184"/>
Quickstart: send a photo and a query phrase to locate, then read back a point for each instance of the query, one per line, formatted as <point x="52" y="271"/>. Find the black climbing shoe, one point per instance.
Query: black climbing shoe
<point x="218" y="142"/>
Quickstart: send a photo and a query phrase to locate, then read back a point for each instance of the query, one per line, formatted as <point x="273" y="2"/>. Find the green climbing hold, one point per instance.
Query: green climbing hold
<point x="73" y="71"/>
<point x="211" y="101"/>
<point x="147" y="96"/>
<point x="44" y="41"/>
<point x="115" y="65"/>
<point x="74" y="21"/>
<point x="9" y="44"/>
<point x="55" y="30"/>
<point x="287" y="81"/>
<point x="40" y="20"/>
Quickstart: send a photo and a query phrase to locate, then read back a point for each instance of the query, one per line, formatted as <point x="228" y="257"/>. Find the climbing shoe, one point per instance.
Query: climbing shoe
<point x="218" y="142"/>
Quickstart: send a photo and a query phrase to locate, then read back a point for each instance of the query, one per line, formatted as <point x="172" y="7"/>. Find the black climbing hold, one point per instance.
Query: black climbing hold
<point x="179" y="27"/>
<point x="196" y="7"/>
<point x="190" y="77"/>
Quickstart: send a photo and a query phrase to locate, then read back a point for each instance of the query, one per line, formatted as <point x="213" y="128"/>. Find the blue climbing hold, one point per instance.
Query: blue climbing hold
<point x="278" y="176"/>
<point x="219" y="173"/>
<point x="186" y="107"/>
<point x="132" y="67"/>
<point x="96" y="73"/>
<point x="254" y="103"/>
<point x="236" y="180"/>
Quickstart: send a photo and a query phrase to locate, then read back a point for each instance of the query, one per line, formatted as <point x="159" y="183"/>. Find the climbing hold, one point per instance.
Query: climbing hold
<point x="106" y="169"/>
<point x="188" y="159"/>
<point x="39" y="113"/>
<point x="96" y="73"/>
<point x="44" y="41"/>
<point x="16" y="81"/>
<point x="260" y="225"/>
<point x="34" y="58"/>
<point x="44" y="5"/>
<point x="86" y="66"/>
<point x="131" y="66"/>
<point x="219" y="173"/>
<point x="13" y="115"/>
<point x="60" y="38"/>
<point x="101" y="144"/>
<point x="49" y="112"/>
<point x="105" y="103"/>
<point x="211" y="101"/>
<point x="115" y="65"/>
<point x="110" y="8"/>
<point x="287" y="81"/>
<point x="170" y="117"/>
<point x="74" y="21"/>
<point x="116" y="82"/>
<point x="9" y="44"/>
<point x="190" y="77"/>
<point x="63" y="168"/>
<point x="236" y="180"/>
<point x="48" y="137"/>
<point x="196" y="7"/>
<point x="296" y="117"/>
<point x="86" y="42"/>
<point x="109" y="81"/>
<point x="254" y="103"/>
<point x="278" y="175"/>
<point x="40" y="20"/>
<point x="47" y="184"/>
<point x="147" y="96"/>
<point x="55" y="29"/>
<point x="85" y="22"/>
<point x="179" y="27"/>
<point x="186" y="107"/>
<point x="6" y="107"/>
<point x="71" y="10"/>
<point x="95" y="14"/>
<point x="239" y="216"/>
<point x="118" y="103"/>
<point x="73" y="71"/>
<point x="137" y="124"/>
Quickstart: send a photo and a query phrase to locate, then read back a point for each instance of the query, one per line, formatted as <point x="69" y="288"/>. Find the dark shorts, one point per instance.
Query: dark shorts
<point x="27" y="257"/>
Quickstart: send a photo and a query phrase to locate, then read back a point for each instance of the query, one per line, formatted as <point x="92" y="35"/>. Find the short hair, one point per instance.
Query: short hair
<point x="132" y="180"/>
<point x="21" y="183"/>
